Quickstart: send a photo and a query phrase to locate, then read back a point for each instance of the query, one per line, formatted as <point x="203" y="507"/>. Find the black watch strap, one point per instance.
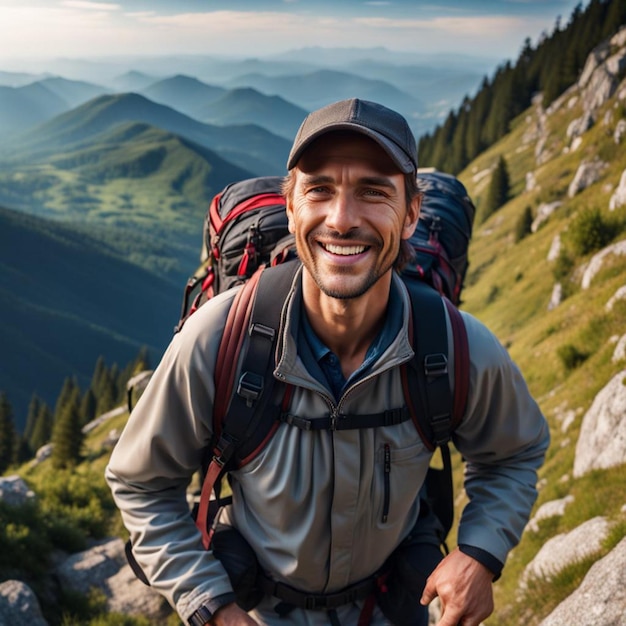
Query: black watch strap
<point x="201" y="617"/>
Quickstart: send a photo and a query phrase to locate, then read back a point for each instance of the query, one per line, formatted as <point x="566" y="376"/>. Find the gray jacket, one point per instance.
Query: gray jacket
<point x="310" y="504"/>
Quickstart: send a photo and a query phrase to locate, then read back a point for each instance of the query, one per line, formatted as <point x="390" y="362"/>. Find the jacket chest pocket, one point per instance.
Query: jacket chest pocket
<point x="398" y="477"/>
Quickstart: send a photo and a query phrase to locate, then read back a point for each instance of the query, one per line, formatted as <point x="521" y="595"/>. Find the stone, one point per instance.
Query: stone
<point x="619" y="354"/>
<point x="556" y="297"/>
<point x="104" y="567"/>
<point x="586" y="174"/>
<point x="555" y="248"/>
<point x="597" y="260"/>
<point x="14" y="491"/>
<point x="602" y="440"/>
<point x="618" y="198"/>
<point x="620" y="294"/>
<point x="600" y="598"/>
<point x="19" y="605"/>
<point x="619" y="132"/>
<point x="544" y="211"/>
<point x="554" y="508"/>
<point x="566" y="549"/>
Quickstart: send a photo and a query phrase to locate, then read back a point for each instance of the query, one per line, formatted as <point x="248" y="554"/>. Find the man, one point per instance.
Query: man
<point x="325" y="510"/>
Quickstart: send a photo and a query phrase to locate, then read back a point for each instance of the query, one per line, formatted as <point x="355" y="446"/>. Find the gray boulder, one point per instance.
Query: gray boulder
<point x="586" y="175"/>
<point x="602" y="440"/>
<point x="597" y="261"/>
<point x="601" y="597"/>
<point x="19" y="605"/>
<point x="14" y="491"/>
<point x="566" y="549"/>
<point x="618" y="198"/>
<point x="105" y="567"/>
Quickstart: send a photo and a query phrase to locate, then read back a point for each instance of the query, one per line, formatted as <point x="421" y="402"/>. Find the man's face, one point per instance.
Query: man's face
<point x="349" y="213"/>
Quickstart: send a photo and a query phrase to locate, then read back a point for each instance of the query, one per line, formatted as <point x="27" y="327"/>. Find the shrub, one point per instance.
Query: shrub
<point x="571" y="357"/>
<point x="590" y="230"/>
<point x="563" y="266"/>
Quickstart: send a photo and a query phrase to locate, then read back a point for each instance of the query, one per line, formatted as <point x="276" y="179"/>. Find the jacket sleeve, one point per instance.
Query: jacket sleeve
<point x="503" y="438"/>
<point x="152" y="465"/>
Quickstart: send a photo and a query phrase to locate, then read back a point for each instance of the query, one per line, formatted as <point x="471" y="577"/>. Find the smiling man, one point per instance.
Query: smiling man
<point x="328" y="515"/>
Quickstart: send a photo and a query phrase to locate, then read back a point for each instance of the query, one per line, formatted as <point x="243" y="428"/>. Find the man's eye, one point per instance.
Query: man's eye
<point x="373" y="192"/>
<point x="319" y="190"/>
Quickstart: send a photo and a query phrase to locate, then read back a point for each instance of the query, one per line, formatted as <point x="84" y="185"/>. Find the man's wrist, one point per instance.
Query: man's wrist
<point x="204" y="614"/>
<point x="484" y="558"/>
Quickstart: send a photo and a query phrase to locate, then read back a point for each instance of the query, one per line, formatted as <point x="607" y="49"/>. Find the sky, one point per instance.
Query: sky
<point x="40" y="29"/>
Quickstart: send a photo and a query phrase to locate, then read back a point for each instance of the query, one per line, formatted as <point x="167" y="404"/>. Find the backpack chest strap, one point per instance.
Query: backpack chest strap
<point x="391" y="417"/>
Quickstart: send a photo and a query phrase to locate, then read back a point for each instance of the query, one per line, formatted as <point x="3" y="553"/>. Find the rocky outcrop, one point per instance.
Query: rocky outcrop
<point x="544" y="211"/>
<point x="620" y="294"/>
<point x="14" y="491"/>
<point x="602" y="439"/>
<point x="599" y="81"/>
<point x="586" y="175"/>
<point x="601" y="597"/>
<point x="595" y="265"/>
<point x="555" y="508"/>
<point x="566" y="549"/>
<point x="618" y="198"/>
<point x="19" y="605"/>
<point x="105" y="567"/>
<point x="556" y="297"/>
<point x="619" y="354"/>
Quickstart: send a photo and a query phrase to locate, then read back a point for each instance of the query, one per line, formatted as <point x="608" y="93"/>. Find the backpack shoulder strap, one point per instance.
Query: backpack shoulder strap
<point x="241" y="422"/>
<point x="435" y="410"/>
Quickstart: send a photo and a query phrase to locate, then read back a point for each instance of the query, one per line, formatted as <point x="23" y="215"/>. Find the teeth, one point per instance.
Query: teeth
<point x="344" y="250"/>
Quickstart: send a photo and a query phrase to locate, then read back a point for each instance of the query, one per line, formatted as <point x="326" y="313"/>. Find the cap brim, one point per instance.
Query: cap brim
<point x="395" y="153"/>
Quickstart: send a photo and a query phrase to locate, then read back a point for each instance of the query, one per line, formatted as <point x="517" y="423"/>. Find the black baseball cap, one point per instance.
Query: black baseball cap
<point x="387" y="128"/>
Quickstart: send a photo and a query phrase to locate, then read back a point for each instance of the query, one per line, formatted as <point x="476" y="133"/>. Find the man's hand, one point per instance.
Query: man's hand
<point x="464" y="588"/>
<point x="232" y="615"/>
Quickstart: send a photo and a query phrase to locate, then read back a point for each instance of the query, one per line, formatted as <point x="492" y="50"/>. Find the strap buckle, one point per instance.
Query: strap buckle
<point x="250" y="387"/>
<point x="436" y="364"/>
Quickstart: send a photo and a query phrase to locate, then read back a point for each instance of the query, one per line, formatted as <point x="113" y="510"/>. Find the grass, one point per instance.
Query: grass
<point x="509" y="287"/>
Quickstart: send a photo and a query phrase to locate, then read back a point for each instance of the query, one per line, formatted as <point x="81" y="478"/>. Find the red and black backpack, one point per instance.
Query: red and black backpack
<point x="246" y="241"/>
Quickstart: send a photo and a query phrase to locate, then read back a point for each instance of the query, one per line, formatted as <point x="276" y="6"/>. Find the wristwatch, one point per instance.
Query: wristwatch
<point x="201" y="617"/>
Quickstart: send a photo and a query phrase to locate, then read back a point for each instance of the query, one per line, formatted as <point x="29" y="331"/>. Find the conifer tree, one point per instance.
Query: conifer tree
<point x="67" y="392"/>
<point x="42" y="431"/>
<point x="8" y="435"/>
<point x="98" y="375"/>
<point x="106" y="395"/>
<point x="498" y="191"/>
<point x="88" y="406"/>
<point x="524" y="224"/>
<point x="67" y="435"/>
<point x="31" y="417"/>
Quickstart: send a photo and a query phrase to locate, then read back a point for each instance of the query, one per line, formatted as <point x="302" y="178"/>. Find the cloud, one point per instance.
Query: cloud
<point x="470" y="26"/>
<point x="91" y="6"/>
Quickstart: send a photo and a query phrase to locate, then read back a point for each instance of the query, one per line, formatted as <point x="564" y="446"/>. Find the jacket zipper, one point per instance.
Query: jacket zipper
<point x="387" y="489"/>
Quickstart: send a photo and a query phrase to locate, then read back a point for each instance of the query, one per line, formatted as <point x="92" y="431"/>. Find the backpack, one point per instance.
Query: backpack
<point x="246" y="241"/>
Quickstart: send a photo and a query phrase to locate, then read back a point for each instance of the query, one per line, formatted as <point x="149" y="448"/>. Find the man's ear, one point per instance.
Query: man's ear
<point x="288" y="210"/>
<point x="412" y="216"/>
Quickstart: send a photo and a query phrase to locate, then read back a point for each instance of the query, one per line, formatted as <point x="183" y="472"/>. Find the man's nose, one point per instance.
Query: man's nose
<point x="343" y="213"/>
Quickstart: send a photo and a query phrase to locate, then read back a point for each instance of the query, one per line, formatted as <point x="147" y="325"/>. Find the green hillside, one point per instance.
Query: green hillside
<point x="248" y="146"/>
<point x="510" y="283"/>
<point x="247" y="105"/>
<point x="65" y="300"/>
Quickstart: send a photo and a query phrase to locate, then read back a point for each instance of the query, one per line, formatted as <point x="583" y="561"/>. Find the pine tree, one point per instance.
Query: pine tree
<point x="67" y="392"/>
<point x="8" y="435"/>
<point x="98" y="375"/>
<point x="524" y="224"/>
<point x="106" y="395"/>
<point x="42" y="431"/>
<point x="88" y="406"/>
<point x="67" y="435"/>
<point x="31" y="417"/>
<point x="498" y="191"/>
